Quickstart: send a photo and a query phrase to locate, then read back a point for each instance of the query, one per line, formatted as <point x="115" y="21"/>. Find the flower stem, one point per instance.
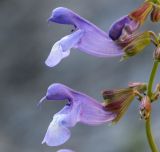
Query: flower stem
<point x="151" y="79"/>
<point x="151" y="141"/>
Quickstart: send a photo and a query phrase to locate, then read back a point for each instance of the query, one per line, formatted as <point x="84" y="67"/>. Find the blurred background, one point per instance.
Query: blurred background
<point x="25" y="42"/>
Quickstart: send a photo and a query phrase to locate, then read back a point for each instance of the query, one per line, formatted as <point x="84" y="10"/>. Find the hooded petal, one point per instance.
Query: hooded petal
<point x="80" y="108"/>
<point x="61" y="49"/>
<point x="94" y="41"/>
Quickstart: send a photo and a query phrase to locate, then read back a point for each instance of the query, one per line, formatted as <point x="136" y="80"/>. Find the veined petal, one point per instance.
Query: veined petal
<point x="80" y="108"/>
<point x="61" y="49"/>
<point x="92" y="112"/>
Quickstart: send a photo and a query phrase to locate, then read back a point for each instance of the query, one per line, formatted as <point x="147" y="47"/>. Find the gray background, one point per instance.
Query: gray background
<point x="26" y="40"/>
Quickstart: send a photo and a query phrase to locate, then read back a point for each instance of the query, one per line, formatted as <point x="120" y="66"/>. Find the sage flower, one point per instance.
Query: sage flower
<point x="79" y="108"/>
<point x="88" y="38"/>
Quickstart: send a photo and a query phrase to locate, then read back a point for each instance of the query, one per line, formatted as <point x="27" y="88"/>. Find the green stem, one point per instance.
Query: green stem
<point x="151" y="79"/>
<point x="150" y="138"/>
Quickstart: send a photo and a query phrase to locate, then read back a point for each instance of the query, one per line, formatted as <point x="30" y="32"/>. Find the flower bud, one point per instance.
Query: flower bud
<point x="142" y="12"/>
<point x="157" y="54"/>
<point x="118" y="100"/>
<point x="137" y="44"/>
<point x="145" y="107"/>
<point x="155" y="15"/>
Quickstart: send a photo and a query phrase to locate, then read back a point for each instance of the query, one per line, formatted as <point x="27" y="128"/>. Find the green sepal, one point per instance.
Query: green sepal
<point x="137" y="45"/>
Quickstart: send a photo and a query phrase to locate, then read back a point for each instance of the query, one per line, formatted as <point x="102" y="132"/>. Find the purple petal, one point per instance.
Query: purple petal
<point x="62" y="15"/>
<point x="92" y="112"/>
<point x="80" y="108"/>
<point x="61" y="49"/>
<point x="97" y="44"/>
<point x="56" y="134"/>
<point x="94" y="41"/>
<point x="58" y="91"/>
<point x="124" y="23"/>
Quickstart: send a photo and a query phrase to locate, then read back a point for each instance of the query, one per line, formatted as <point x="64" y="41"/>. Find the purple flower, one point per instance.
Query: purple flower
<point x="79" y="108"/>
<point x="92" y="40"/>
<point x="145" y="107"/>
<point x="86" y="36"/>
<point x="128" y="24"/>
<point x="123" y="25"/>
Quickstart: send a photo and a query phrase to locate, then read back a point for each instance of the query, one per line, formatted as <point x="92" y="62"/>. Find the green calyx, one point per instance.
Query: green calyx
<point x="118" y="100"/>
<point x="137" y="45"/>
<point x="153" y="1"/>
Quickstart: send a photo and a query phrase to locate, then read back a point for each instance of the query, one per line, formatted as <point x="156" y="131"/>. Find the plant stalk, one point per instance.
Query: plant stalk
<point x="150" y="138"/>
